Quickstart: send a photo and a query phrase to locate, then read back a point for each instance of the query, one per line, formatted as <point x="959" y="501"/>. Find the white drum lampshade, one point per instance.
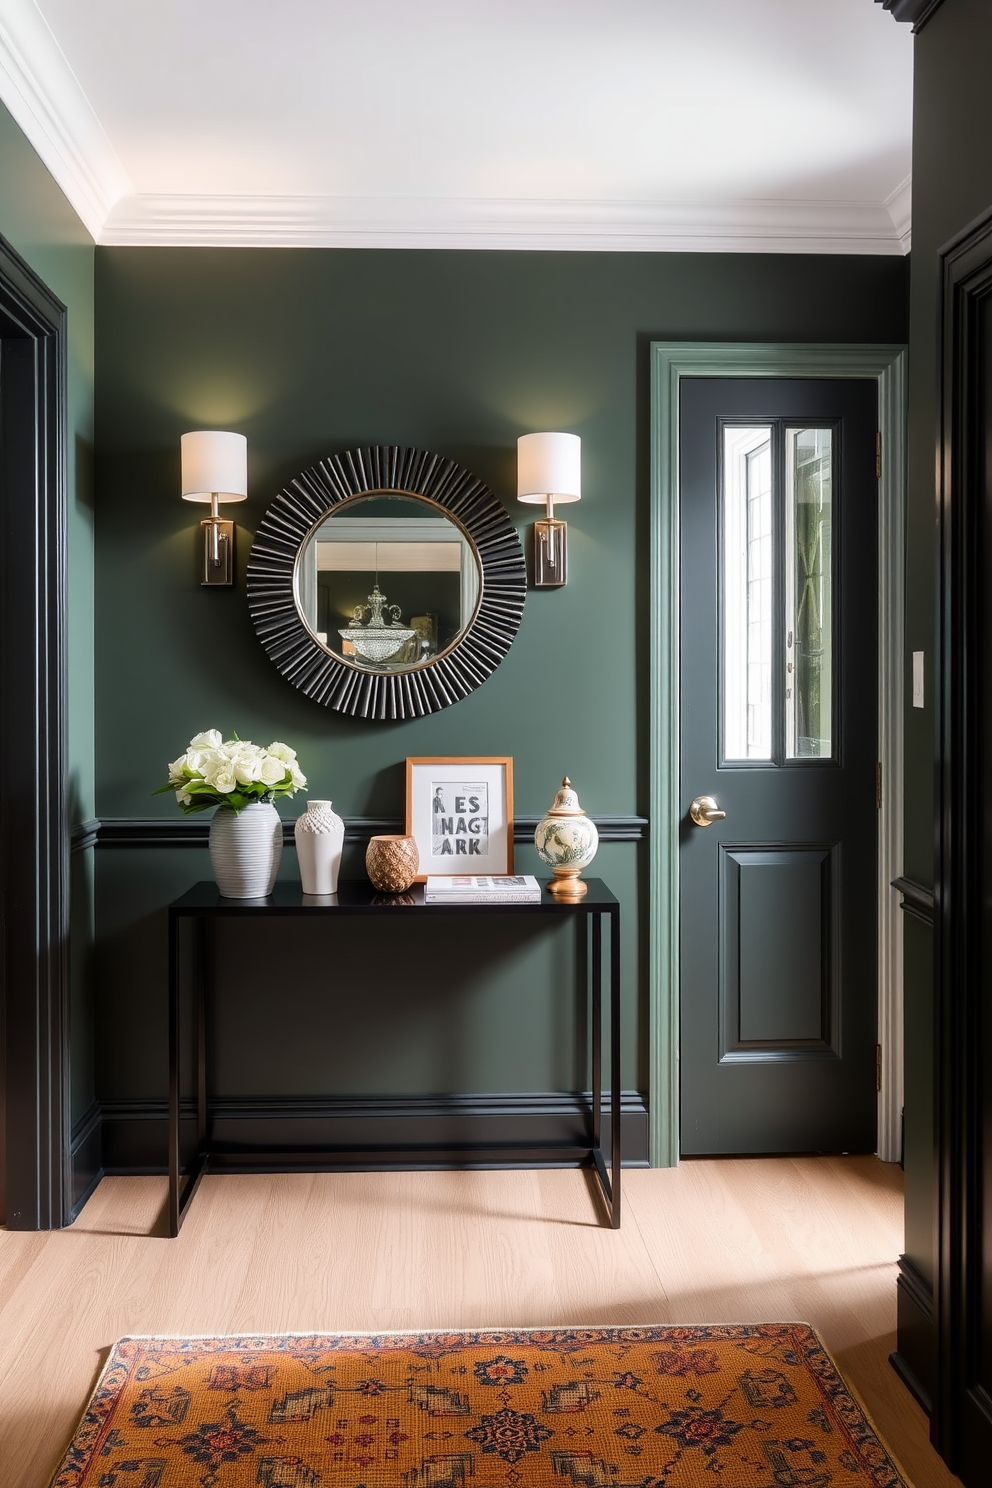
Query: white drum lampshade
<point x="549" y="469"/>
<point x="215" y="464"/>
<point x="215" y="469"/>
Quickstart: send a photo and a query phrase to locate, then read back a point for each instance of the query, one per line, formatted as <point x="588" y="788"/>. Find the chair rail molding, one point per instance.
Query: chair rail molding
<point x="193" y="831"/>
<point x="917" y="899"/>
<point x="670" y="363"/>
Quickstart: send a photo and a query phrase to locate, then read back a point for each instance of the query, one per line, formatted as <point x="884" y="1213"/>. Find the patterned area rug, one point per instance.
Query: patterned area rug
<point x="668" y="1407"/>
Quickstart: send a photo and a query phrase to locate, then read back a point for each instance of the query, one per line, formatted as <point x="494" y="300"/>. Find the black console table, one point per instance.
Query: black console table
<point x="203" y="906"/>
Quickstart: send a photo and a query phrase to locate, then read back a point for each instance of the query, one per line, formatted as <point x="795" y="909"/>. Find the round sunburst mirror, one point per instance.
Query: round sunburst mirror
<point x="386" y="582"/>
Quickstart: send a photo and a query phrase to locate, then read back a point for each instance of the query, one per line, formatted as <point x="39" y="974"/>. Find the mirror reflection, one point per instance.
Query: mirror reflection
<point x="387" y="582"/>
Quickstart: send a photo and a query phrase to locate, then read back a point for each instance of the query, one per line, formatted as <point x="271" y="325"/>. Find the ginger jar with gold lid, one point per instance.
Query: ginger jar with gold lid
<point x="567" y="841"/>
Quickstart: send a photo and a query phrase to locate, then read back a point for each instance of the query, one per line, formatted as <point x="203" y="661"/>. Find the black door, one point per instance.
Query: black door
<point x="779" y="703"/>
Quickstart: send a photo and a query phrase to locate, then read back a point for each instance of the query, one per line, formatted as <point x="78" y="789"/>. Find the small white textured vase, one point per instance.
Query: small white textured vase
<point x="319" y="844"/>
<point x="245" y="849"/>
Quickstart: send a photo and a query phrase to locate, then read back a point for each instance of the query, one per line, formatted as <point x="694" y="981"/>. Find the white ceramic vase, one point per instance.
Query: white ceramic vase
<point x="245" y="849"/>
<point x="319" y="844"/>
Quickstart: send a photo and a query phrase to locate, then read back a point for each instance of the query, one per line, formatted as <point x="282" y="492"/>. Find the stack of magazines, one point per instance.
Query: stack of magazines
<point x="467" y="888"/>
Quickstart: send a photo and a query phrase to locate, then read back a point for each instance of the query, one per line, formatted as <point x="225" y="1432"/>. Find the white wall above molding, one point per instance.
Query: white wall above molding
<point x="593" y="226"/>
<point x="42" y="93"/>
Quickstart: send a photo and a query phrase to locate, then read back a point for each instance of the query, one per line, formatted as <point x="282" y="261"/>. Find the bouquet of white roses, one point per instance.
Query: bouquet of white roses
<point x="232" y="772"/>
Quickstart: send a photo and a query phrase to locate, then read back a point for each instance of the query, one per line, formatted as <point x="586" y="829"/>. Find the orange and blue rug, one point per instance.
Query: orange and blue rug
<point x="759" y="1406"/>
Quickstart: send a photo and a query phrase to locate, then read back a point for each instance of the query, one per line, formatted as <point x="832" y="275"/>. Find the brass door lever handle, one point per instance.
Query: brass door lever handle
<point x="705" y="811"/>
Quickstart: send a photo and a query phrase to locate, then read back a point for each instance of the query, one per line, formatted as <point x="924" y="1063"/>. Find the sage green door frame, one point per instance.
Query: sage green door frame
<point x="670" y="362"/>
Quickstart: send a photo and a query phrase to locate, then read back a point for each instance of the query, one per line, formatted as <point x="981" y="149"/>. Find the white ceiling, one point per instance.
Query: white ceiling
<point x="732" y="125"/>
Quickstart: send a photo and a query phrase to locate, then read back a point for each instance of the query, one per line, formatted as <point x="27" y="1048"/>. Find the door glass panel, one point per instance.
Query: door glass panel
<point x="809" y="462"/>
<point x="748" y="593"/>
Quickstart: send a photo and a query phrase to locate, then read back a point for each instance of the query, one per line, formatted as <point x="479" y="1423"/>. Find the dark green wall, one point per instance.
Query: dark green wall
<point x="952" y="184"/>
<point x="314" y="351"/>
<point x="36" y="218"/>
<point x="38" y="221"/>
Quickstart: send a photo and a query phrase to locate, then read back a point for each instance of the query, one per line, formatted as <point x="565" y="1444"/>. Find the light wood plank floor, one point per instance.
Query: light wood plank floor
<point x="752" y="1240"/>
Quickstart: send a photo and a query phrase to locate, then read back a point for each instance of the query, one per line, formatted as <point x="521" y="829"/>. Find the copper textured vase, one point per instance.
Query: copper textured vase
<point x="392" y="863"/>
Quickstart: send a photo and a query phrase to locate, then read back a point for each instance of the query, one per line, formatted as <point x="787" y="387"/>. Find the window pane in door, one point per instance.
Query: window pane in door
<point x="809" y="463"/>
<point x="748" y="593"/>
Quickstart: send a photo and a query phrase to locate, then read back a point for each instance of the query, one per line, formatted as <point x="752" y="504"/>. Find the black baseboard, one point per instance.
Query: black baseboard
<point x="916" y="1348"/>
<point x="354" y="1134"/>
<point x="85" y="1157"/>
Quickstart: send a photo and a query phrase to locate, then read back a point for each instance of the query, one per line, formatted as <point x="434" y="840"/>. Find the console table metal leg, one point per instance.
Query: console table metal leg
<point x="597" y="1034"/>
<point x="200" y="1023"/>
<point x="174" y="1155"/>
<point x="609" y="1181"/>
<point x="181" y="1196"/>
<point x="615" y="1088"/>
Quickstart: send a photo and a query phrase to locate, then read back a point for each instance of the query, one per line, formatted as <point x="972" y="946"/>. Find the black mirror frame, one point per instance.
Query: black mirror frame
<point x="443" y="680"/>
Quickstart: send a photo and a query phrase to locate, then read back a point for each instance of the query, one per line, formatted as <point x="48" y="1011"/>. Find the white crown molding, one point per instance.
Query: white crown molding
<point x="899" y="204"/>
<point x="45" y="98"/>
<point x="417" y="222"/>
<point x="43" y="95"/>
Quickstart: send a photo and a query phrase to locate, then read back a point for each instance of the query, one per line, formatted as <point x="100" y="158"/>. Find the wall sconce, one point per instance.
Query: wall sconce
<point x="215" y="469"/>
<point x="549" y="469"/>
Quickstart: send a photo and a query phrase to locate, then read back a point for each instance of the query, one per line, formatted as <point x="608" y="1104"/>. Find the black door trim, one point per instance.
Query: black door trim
<point x="962" y="803"/>
<point x="34" y="837"/>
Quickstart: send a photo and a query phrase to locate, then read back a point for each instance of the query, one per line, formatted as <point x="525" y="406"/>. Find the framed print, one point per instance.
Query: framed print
<point x="460" y="810"/>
